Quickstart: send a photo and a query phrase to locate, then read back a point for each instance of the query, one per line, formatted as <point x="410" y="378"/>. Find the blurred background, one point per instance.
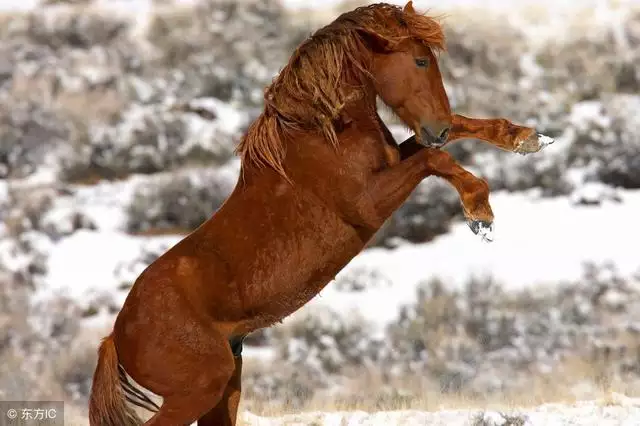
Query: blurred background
<point x="118" y="121"/>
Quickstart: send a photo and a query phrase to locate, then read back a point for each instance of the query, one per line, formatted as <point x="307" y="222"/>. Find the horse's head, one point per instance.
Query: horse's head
<point x="407" y="78"/>
<point x="379" y="45"/>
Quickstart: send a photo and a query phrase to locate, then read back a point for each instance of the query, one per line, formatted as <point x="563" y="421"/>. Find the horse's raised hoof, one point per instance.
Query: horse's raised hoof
<point x="483" y="229"/>
<point x="534" y="143"/>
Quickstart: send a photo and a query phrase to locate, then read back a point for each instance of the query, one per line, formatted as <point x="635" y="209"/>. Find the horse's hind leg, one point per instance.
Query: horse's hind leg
<point x="185" y="408"/>
<point x="194" y="377"/>
<point x="226" y="411"/>
<point x="207" y="389"/>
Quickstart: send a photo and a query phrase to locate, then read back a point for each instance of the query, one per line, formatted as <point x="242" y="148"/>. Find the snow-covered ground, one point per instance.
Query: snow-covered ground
<point x="318" y="4"/>
<point x="489" y="4"/>
<point x="561" y="6"/>
<point x="541" y="19"/>
<point x="17" y="4"/>
<point x="617" y="410"/>
<point x="538" y="242"/>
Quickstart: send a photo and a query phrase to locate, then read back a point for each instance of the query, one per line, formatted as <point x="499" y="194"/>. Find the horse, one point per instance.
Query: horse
<point x="320" y="174"/>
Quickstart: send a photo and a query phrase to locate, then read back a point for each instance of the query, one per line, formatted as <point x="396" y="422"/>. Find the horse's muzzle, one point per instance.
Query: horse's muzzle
<point x="429" y="139"/>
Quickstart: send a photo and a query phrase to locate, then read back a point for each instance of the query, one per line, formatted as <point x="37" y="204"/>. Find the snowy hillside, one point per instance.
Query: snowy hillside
<point x="118" y="140"/>
<point x="538" y="242"/>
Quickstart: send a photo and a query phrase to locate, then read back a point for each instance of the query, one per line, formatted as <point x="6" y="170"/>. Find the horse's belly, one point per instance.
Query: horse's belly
<point x="295" y="281"/>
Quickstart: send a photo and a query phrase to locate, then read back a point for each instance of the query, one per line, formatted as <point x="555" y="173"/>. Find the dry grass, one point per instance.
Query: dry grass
<point x="102" y="104"/>
<point x="573" y="380"/>
<point x="558" y="386"/>
<point x="69" y="2"/>
<point x="587" y="358"/>
<point x="160" y="232"/>
<point x="8" y="18"/>
<point x="97" y="104"/>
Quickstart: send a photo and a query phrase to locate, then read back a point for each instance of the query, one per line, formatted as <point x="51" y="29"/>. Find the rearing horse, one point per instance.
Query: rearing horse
<point x="320" y="174"/>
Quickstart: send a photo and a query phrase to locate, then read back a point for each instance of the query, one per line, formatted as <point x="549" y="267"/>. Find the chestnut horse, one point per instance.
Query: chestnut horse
<point x="320" y="175"/>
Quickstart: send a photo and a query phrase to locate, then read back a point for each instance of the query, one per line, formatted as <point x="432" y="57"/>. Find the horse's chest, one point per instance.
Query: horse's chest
<point x="391" y="154"/>
<point x="375" y="153"/>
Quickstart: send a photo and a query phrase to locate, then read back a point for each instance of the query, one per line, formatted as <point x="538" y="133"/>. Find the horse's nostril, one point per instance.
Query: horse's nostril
<point x="444" y="134"/>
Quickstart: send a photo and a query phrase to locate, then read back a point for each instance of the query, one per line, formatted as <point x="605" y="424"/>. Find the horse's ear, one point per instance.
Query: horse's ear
<point x="408" y="8"/>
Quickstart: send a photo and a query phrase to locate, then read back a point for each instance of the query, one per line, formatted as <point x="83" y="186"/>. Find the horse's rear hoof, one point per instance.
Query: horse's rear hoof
<point x="483" y="229"/>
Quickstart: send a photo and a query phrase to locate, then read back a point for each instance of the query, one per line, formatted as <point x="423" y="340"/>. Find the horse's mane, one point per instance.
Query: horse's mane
<point x="310" y="91"/>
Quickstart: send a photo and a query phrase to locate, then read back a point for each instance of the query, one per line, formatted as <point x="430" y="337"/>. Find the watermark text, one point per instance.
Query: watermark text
<point x="31" y="413"/>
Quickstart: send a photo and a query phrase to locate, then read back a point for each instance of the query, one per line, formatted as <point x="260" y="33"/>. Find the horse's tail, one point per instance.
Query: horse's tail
<point x="107" y="403"/>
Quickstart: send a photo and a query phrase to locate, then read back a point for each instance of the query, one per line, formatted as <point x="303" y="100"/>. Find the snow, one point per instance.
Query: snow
<point x="594" y="193"/>
<point x="540" y="21"/>
<point x="617" y="410"/>
<point x="537" y="242"/>
<point x="101" y="203"/>
<point x="15" y="5"/>
<point x="488" y="4"/>
<point x="88" y="264"/>
<point x="586" y="112"/>
<point x="230" y="118"/>
<point x="545" y="140"/>
<point x="483" y="230"/>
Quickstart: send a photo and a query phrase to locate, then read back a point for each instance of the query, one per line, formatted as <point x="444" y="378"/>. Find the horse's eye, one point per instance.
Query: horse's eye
<point x="422" y="62"/>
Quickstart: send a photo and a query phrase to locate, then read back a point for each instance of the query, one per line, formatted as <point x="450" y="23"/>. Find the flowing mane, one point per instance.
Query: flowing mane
<point x="309" y="92"/>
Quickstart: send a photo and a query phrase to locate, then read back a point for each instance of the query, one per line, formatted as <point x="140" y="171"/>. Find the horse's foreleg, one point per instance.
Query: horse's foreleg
<point x="474" y="192"/>
<point x="498" y="132"/>
<point x="389" y="188"/>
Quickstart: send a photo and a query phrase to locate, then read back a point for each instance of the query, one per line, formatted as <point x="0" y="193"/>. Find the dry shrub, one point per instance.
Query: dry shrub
<point x="41" y="355"/>
<point x="180" y="202"/>
<point x="69" y="2"/>
<point x="477" y="346"/>
<point x="76" y="27"/>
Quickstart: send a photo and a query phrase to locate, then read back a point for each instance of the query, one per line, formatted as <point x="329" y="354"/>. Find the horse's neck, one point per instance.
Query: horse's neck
<point x="365" y="110"/>
<point x="362" y="106"/>
<point x="360" y="109"/>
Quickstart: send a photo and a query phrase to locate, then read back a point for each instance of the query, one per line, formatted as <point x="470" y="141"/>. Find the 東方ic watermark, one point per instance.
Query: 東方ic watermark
<point x="31" y="413"/>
